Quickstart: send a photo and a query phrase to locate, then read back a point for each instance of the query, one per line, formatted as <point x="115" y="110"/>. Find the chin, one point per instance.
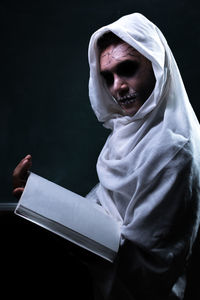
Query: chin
<point x="130" y="111"/>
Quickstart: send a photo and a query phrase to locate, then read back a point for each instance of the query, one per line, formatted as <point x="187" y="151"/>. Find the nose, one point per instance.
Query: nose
<point x="120" y="86"/>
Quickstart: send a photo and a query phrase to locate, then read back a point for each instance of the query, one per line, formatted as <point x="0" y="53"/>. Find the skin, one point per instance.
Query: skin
<point x="128" y="75"/>
<point x="20" y="175"/>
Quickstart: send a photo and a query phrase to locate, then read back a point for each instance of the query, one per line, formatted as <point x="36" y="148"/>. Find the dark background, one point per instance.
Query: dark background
<point x="45" y="111"/>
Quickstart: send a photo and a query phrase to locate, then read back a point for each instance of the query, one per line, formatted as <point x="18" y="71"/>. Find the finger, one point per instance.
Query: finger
<point x="24" y="164"/>
<point x="25" y="160"/>
<point x="20" y="173"/>
<point x="18" y="192"/>
<point x="29" y="157"/>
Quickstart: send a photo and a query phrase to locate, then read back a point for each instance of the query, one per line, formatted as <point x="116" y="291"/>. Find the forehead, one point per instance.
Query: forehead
<point x="118" y="53"/>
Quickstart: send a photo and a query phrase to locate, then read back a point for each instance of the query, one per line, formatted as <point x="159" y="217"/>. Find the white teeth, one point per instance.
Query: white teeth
<point x="131" y="100"/>
<point x="128" y="101"/>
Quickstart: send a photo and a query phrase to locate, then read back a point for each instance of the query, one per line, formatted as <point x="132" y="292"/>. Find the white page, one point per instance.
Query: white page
<point x="70" y="210"/>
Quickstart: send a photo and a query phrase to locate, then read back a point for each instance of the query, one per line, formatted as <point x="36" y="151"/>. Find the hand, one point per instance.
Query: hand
<point x="20" y="175"/>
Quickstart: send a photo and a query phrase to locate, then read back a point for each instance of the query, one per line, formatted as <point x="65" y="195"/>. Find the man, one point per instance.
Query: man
<point x="148" y="168"/>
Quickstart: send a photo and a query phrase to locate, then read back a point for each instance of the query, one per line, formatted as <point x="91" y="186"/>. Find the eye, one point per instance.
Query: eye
<point x="108" y="77"/>
<point x="128" y="68"/>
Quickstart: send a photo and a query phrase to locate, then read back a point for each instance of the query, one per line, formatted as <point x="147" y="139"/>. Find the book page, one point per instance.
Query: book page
<point x="80" y="216"/>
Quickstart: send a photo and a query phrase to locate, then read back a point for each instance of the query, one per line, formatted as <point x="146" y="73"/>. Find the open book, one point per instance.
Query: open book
<point x="69" y="215"/>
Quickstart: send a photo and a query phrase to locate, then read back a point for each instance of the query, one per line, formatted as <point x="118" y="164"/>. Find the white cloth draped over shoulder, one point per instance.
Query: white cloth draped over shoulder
<point x="149" y="166"/>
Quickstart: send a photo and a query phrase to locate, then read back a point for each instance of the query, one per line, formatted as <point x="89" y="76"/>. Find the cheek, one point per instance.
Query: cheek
<point x="134" y="83"/>
<point x="145" y="83"/>
<point x="150" y="81"/>
<point x="111" y="90"/>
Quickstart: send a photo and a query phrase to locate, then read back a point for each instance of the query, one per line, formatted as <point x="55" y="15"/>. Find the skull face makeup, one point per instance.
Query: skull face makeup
<point x="128" y="75"/>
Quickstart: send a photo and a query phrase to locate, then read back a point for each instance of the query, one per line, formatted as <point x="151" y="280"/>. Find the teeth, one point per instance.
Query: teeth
<point x="130" y="101"/>
<point x="127" y="100"/>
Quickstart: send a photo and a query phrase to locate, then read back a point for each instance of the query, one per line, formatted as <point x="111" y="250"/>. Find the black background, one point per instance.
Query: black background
<point x="45" y="111"/>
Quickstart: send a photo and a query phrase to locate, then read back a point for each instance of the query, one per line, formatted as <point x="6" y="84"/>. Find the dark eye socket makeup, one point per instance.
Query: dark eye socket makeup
<point x="126" y="68"/>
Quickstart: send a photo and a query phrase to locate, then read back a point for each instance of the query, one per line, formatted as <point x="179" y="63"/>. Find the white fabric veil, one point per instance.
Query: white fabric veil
<point x="150" y="161"/>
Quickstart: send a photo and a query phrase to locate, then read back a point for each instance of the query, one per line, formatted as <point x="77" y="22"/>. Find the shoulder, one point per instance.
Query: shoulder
<point x="172" y="148"/>
<point x="167" y="159"/>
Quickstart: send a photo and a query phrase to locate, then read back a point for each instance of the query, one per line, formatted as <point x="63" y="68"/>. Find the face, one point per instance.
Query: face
<point x="128" y="75"/>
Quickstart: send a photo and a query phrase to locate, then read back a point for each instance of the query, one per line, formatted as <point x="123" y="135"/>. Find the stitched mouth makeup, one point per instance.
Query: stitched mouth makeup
<point x="128" y="102"/>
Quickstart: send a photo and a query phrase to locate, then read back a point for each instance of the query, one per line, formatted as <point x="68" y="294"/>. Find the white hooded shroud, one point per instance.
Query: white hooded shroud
<point x="149" y="166"/>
